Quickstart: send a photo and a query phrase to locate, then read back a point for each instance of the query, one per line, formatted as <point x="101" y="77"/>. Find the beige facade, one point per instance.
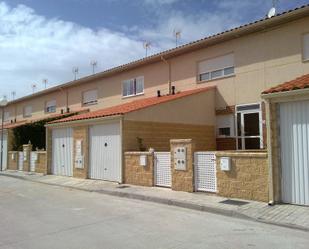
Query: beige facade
<point x="262" y="59"/>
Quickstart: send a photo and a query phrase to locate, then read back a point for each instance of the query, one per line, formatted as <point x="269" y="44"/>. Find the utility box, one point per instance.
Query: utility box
<point x="143" y="160"/>
<point x="225" y="163"/>
<point x="180" y="158"/>
<point x="79" y="162"/>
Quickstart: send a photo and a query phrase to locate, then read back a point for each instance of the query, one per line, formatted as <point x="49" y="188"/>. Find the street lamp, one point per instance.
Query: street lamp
<point x="3" y="103"/>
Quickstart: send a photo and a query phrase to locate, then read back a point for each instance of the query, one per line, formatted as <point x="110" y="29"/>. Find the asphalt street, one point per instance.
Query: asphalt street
<point x="38" y="216"/>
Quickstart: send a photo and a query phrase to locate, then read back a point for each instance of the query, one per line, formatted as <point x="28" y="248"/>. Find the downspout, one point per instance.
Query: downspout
<point x="66" y="98"/>
<point x="169" y="74"/>
<point x="270" y="155"/>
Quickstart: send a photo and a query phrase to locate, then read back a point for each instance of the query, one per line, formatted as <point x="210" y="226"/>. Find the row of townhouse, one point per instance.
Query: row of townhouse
<point x="208" y="90"/>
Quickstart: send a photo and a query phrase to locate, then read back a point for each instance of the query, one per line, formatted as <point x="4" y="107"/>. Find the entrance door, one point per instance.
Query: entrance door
<point x="205" y="171"/>
<point x="62" y="160"/>
<point x="105" y="152"/>
<point x="5" y="151"/>
<point x="163" y="170"/>
<point x="249" y="128"/>
<point x="294" y="144"/>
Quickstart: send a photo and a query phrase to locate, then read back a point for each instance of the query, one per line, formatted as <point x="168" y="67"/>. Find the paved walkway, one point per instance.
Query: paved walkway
<point x="284" y="215"/>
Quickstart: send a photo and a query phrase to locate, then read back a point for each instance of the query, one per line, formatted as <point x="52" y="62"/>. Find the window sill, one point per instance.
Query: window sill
<point x="219" y="78"/>
<point x="131" y="96"/>
<point x="89" y="104"/>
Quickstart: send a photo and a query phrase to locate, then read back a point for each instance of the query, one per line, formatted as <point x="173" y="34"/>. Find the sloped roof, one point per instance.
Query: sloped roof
<point x="132" y="106"/>
<point x="296" y="84"/>
<point x="55" y="115"/>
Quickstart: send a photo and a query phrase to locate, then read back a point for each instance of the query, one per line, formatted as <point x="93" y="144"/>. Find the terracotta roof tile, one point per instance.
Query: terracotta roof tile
<point x="296" y="84"/>
<point x="56" y="115"/>
<point x="131" y="106"/>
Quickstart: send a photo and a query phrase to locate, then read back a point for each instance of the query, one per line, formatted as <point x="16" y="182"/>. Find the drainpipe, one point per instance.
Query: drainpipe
<point x="270" y="155"/>
<point x="66" y="98"/>
<point x="169" y="74"/>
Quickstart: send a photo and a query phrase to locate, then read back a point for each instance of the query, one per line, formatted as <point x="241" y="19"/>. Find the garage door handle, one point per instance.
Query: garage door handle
<point x="105" y="169"/>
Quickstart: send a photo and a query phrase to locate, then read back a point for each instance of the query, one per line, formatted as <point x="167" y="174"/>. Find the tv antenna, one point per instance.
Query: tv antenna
<point x="45" y="81"/>
<point x="272" y="11"/>
<point x="13" y="93"/>
<point x="75" y="72"/>
<point x="177" y="34"/>
<point x="94" y="64"/>
<point x="33" y="86"/>
<point x="146" y="46"/>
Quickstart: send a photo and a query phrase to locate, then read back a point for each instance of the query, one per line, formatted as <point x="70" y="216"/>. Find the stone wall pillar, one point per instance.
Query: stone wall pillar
<point x="27" y="148"/>
<point x="41" y="165"/>
<point x="80" y="152"/>
<point x="12" y="160"/>
<point x="49" y="145"/>
<point x="139" y="168"/>
<point x="183" y="179"/>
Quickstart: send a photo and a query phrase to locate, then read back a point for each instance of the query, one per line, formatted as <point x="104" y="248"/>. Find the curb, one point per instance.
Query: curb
<point x="170" y="202"/>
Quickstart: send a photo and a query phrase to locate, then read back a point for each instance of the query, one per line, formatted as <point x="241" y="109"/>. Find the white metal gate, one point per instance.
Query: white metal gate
<point x="20" y="160"/>
<point x="163" y="170"/>
<point x="205" y="171"/>
<point x="105" y="152"/>
<point x="5" y="151"/>
<point x="33" y="159"/>
<point x="62" y="159"/>
<point x="294" y="138"/>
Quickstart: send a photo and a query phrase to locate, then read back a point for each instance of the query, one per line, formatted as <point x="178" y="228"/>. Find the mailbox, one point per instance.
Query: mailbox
<point x="180" y="158"/>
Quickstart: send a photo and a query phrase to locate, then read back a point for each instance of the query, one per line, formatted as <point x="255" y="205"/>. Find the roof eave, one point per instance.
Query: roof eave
<point x="259" y="25"/>
<point x="276" y="95"/>
<point x="83" y="121"/>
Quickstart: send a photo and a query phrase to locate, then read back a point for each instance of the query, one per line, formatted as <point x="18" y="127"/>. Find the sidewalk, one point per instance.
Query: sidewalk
<point x="283" y="215"/>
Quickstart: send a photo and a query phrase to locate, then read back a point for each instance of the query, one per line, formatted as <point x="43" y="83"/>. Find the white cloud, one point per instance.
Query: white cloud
<point x="33" y="47"/>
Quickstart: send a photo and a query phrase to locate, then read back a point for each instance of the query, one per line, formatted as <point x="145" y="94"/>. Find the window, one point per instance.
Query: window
<point x="306" y="47"/>
<point x="225" y="125"/>
<point x="28" y="111"/>
<point x="90" y="97"/>
<point x="6" y="116"/>
<point x="133" y="87"/>
<point x="215" y="68"/>
<point x="225" y="132"/>
<point x="50" y="106"/>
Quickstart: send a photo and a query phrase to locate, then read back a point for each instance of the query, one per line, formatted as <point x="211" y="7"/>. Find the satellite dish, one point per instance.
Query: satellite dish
<point x="271" y="12"/>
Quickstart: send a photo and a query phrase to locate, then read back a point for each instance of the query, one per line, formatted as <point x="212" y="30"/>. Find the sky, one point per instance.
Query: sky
<point x="45" y="39"/>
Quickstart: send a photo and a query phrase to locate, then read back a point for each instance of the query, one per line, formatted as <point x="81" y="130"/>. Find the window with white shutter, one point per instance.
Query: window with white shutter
<point x="133" y="87"/>
<point x="50" y="106"/>
<point x="215" y="68"/>
<point x="28" y="111"/>
<point x="306" y="47"/>
<point x="6" y="116"/>
<point x="90" y="97"/>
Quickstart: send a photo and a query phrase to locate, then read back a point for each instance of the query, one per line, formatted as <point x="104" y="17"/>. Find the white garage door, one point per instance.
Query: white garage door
<point x="62" y="160"/>
<point x="105" y="152"/>
<point x="5" y="151"/>
<point x="294" y="136"/>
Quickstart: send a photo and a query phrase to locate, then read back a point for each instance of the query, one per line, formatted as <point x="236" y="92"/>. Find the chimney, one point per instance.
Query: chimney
<point x="158" y="93"/>
<point x="173" y="90"/>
